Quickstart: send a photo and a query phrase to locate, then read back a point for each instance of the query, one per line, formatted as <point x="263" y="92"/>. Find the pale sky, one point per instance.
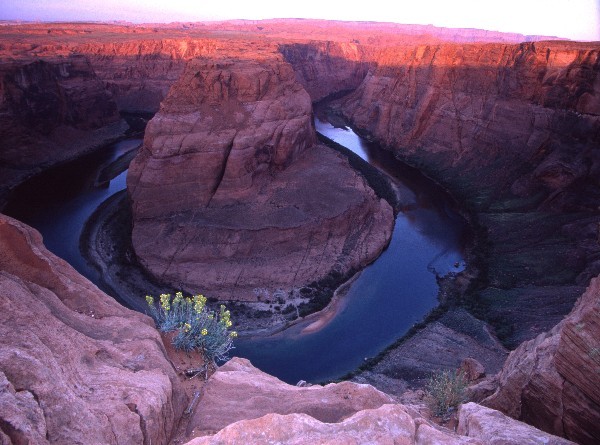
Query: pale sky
<point x="574" y="19"/>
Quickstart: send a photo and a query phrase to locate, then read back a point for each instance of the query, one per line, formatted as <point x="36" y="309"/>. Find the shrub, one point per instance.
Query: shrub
<point x="198" y="329"/>
<point x="445" y="391"/>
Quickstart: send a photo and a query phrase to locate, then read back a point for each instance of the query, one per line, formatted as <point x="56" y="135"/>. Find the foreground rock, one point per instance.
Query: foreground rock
<point x="551" y="382"/>
<point x="232" y="197"/>
<point x="242" y="405"/>
<point x="75" y="366"/>
<point x="493" y="428"/>
<point x="239" y="391"/>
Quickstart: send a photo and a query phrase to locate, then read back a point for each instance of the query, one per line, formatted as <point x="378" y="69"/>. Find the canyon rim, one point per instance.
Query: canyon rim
<point x="232" y="191"/>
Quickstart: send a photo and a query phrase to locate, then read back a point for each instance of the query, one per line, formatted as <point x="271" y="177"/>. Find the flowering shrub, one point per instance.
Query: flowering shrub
<point x="198" y="329"/>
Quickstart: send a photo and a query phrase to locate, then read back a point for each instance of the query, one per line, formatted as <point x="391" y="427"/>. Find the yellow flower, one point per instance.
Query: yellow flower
<point x="178" y="298"/>
<point x="199" y="302"/>
<point x="204" y="331"/>
<point x="233" y="334"/>
<point x="149" y="300"/>
<point x="165" y="301"/>
<point x="186" y="327"/>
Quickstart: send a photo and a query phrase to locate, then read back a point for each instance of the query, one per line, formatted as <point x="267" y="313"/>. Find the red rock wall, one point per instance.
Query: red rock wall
<point x="75" y="366"/>
<point x="551" y="382"/>
<point x="492" y="119"/>
<point x="326" y="68"/>
<point x="231" y="195"/>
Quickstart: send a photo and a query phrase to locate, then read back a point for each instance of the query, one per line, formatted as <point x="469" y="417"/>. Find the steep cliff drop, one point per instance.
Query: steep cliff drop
<point x="51" y="111"/>
<point x="231" y="196"/>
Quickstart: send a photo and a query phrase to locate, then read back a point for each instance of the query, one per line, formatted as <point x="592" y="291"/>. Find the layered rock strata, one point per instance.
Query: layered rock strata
<point x="76" y="367"/>
<point x="514" y="131"/>
<point x="551" y="381"/>
<point x="51" y="111"/>
<point x="327" y="68"/>
<point x="231" y="195"/>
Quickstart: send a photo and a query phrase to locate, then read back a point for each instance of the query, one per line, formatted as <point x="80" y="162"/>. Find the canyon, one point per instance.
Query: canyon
<point x="510" y="127"/>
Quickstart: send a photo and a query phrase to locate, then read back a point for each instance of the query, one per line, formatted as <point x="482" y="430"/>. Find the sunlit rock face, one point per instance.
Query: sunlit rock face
<point x="491" y="119"/>
<point x="230" y="193"/>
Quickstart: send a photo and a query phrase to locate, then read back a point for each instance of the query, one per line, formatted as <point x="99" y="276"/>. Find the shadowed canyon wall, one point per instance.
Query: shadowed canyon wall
<point x="514" y="132"/>
<point x="51" y="110"/>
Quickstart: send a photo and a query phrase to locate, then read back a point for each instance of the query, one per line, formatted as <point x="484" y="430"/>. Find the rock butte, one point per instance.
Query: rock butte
<point x="512" y="129"/>
<point x="231" y="194"/>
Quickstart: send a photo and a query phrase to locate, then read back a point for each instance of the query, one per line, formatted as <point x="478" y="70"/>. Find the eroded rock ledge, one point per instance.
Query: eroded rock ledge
<point x="242" y="405"/>
<point x="76" y="367"/>
<point x="231" y="196"/>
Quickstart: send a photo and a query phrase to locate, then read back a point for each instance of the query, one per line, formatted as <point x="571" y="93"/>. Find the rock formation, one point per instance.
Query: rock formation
<point x="513" y="131"/>
<point x="75" y="366"/>
<point x="551" y="382"/>
<point x="241" y="405"/>
<point x="230" y="194"/>
<point x="51" y="111"/>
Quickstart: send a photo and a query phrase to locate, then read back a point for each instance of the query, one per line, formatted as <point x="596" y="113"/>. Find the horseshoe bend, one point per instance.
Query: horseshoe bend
<point x="233" y="194"/>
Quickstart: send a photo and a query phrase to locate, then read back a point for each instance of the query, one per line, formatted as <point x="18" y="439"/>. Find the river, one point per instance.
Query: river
<point x="383" y="302"/>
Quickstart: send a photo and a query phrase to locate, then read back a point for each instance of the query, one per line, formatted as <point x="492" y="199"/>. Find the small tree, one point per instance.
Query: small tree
<point x="445" y="391"/>
<point x="198" y="329"/>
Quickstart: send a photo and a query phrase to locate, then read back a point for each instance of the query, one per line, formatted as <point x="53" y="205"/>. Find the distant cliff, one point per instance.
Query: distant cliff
<point x="51" y="110"/>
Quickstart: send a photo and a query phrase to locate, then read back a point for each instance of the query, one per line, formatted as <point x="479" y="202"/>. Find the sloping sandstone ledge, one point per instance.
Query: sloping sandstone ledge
<point x="242" y="405"/>
<point x="76" y="367"/>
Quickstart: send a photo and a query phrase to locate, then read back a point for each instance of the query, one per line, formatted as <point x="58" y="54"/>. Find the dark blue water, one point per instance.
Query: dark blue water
<point x="59" y="202"/>
<point x="395" y="292"/>
<point x="387" y="298"/>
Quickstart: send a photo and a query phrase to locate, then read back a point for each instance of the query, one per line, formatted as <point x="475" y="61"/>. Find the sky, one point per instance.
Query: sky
<point x="573" y="19"/>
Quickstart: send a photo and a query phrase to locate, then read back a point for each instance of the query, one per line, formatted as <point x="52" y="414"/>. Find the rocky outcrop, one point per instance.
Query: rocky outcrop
<point x="231" y="195"/>
<point x="493" y="428"/>
<point x="76" y="367"/>
<point x="239" y="391"/>
<point x="51" y="111"/>
<point x="551" y="382"/>
<point x="242" y="405"/>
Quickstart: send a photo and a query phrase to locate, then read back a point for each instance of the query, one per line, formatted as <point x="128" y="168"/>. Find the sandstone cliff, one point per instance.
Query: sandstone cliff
<point x="50" y="111"/>
<point x="514" y="131"/>
<point x="242" y="405"/>
<point x="75" y="366"/>
<point x="231" y="195"/>
<point x="551" y="382"/>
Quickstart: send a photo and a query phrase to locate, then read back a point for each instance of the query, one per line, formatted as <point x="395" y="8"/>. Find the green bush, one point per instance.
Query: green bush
<point x="198" y="329"/>
<point x="445" y="391"/>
